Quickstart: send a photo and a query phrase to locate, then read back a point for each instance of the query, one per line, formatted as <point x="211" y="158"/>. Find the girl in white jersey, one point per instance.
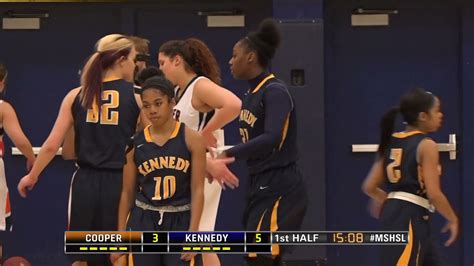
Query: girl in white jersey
<point x="191" y="66"/>
<point x="9" y="123"/>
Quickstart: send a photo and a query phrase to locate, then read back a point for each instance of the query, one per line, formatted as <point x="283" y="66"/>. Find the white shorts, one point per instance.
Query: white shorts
<point x="5" y="209"/>
<point x="212" y="195"/>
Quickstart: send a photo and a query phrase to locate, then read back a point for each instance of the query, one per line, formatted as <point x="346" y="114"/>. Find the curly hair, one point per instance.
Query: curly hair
<point x="196" y="54"/>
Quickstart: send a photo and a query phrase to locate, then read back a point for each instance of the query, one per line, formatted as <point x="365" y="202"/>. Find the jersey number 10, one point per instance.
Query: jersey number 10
<point x="244" y="133"/>
<point x="107" y="116"/>
<point x="165" y="187"/>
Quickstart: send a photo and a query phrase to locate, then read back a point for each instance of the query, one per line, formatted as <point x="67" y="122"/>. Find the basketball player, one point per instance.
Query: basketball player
<point x="277" y="198"/>
<point x="191" y="66"/>
<point x="408" y="162"/>
<point x="147" y="73"/>
<point x="9" y="123"/>
<point x="142" y="47"/>
<point x="164" y="174"/>
<point x="102" y="129"/>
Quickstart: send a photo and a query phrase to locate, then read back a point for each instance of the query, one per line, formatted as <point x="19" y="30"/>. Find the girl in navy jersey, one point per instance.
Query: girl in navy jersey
<point x="164" y="175"/>
<point x="103" y="113"/>
<point x="408" y="162"/>
<point x="277" y="198"/>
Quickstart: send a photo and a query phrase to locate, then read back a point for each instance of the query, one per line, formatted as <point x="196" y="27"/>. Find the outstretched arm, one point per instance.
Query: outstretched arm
<point x="49" y="148"/>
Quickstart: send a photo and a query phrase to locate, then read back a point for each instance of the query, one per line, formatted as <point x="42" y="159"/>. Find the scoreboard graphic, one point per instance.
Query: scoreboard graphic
<point x="218" y="242"/>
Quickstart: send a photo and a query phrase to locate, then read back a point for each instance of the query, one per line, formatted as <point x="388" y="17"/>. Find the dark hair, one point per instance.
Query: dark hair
<point x="92" y="74"/>
<point x="411" y="105"/>
<point x="3" y="71"/>
<point x="197" y="55"/>
<point x="264" y="41"/>
<point x="159" y="83"/>
<point x="147" y="73"/>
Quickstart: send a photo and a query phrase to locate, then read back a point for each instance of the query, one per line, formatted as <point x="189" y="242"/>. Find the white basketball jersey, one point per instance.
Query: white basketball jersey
<point x="184" y="112"/>
<point x="5" y="210"/>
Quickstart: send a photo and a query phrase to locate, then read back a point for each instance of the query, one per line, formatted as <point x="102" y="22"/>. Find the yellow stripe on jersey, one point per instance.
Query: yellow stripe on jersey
<point x="404" y="259"/>
<point x="146" y="131"/>
<point x="110" y="79"/>
<point x="274" y="226"/>
<point x="252" y="254"/>
<point x="402" y="135"/>
<point x="259" y="86"/>
<point x="285" y="131"/>
<point x="176" y="130"/>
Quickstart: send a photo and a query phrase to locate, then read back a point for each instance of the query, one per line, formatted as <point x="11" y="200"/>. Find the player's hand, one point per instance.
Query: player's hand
<point x="118" y="259"/>
<point x="27" y="182"/>
<point x="217" y="168"/>
<point x="453" y="228"/>
<point x="187" y="256"/>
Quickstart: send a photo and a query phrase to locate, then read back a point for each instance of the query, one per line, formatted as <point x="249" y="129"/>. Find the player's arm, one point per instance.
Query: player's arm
<point x="15" y="133"/>
<point x="197" y="148"/>
<point x="128" y="190"/>
<point x="49" y="148"/>
<point x="126" y="199"/>
<point x="69" y="149"/>
<point x="373" y="181"/>
<point x="428" y="155"/>
<point x="278" y="106"/>
<point x="226" y="105"/>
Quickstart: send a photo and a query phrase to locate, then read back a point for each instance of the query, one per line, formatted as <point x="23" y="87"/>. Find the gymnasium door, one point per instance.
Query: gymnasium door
<point x="300" y="64"/>
<point x="368" y="68"/>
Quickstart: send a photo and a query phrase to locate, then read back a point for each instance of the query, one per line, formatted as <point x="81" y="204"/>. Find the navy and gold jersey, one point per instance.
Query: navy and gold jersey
<point x="102" y="133"/>
<point x="252" y="124"/>
<point x="164" y="172"/>
<point x="401" y="165"/>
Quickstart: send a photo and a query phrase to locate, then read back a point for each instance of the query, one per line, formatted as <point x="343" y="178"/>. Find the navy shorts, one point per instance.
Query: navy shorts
<point x="148" y="220"/>
<point x="93" y="205"/>
<point x="277" y="201"/>
<point x="399" y="215"/>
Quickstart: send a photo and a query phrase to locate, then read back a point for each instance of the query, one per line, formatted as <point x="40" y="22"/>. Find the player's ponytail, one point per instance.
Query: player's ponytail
<point x="387" y="125"/>
<point x="411" y="105"/>
<point x="203" y="61"/>
<point x="109" y="49"/>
